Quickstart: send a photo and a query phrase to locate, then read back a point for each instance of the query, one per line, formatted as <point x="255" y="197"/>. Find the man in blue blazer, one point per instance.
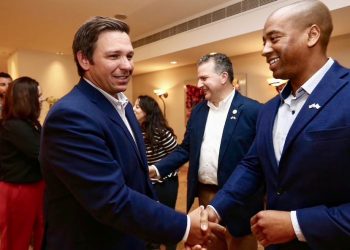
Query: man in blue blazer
<point x="302" y="145"/>
<point x="98" y="192"/>
<point x="219" y="132"/>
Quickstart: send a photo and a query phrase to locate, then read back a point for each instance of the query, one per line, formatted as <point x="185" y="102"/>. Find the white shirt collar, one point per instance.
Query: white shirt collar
<point x="222" y="104"/>
<point x="118" y="99"/>
<point x="312" y="82"/>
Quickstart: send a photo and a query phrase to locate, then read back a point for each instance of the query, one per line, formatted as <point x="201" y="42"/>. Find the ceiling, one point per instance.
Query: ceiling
<point x="49" y="25"/>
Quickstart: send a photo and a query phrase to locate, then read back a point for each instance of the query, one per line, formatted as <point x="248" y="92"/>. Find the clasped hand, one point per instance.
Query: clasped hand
<point x="204" y="228"/>
<point x="272" y="227"/>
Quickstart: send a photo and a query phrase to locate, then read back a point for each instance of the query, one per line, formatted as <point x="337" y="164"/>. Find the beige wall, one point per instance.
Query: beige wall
<point x="56" y="74"/>
<point x="253" y="65"/>
<point x="173" y="81"/>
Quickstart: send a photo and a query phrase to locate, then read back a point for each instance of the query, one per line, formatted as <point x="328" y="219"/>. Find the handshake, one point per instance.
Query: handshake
<point x="205" y="229"/>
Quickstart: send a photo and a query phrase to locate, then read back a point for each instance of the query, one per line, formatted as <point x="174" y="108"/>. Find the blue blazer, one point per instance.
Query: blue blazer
<point x="98" y="192"/>
<point x="313" y="176"/>
<point x="237" y="137"/>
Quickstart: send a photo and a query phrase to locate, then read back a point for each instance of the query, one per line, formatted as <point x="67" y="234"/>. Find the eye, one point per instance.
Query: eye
<point x="275" y="38"/>
<point x="114" y="56"/>
<point x="130" y="56"/>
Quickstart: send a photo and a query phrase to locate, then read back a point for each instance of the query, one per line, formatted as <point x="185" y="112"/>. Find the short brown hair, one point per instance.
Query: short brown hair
<point x="87" y="35"/>
<point x="222" y="63"/>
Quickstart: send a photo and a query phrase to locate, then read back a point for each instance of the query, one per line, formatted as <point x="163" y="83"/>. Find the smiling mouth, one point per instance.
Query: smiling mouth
<point x="124" y="77"/>
<point x="273" y="61"/>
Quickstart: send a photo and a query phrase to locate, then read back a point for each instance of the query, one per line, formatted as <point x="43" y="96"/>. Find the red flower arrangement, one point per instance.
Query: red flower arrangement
<point x="194" y="95"/>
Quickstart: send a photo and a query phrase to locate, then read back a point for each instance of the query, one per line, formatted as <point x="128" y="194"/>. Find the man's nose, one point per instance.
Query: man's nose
<point x="126" y="63"/>
<point x="200" y="84"/>
<point x="266" y="49"/>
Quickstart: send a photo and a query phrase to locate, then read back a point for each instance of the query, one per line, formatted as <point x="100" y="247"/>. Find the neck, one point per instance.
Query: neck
<point x="307" y="73"/>
<point x="224" y="94"/>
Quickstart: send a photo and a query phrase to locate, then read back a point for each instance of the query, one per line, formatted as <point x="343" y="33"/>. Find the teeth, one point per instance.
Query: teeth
<point x="273" y="61"/>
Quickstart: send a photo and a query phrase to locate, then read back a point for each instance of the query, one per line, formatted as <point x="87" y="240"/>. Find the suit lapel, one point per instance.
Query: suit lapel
<point x="269" y="118"/>
<point x="324" y="91"/>
<point x="140" y="144"/>
<point x="107" y="108"/>
<point x="199" y="123"/>
<point x="236" y="108"/>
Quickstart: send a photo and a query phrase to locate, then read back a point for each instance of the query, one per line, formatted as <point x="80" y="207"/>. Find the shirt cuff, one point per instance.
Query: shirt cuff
<point x="216" y="212"/>
<point x="187" y="229"/>
<point x="296" y="227"/>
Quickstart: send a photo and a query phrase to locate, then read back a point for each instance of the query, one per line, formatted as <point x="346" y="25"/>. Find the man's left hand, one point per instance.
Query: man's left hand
<point x="272" y="227"/>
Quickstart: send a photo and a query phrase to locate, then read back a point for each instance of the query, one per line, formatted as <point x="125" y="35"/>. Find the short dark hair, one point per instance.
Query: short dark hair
<point x="22" y="100"/>
<point x="5" y="75"/>
<point x="222" y="63"/>
<point x="87" y="35"/>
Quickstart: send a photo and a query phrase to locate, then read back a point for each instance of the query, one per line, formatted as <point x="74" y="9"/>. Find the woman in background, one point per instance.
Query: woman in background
<point x="160" y="140"/>
<point x="21" y="183"/>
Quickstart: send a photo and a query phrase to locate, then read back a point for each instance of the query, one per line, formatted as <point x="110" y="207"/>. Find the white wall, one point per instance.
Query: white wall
<point x="56" y="74"/>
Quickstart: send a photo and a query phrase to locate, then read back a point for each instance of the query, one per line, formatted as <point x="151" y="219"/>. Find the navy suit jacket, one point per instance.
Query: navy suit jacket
<point x="313" y="176"/>
<point x="237" y="137"/>
<point x="98" y="192"/>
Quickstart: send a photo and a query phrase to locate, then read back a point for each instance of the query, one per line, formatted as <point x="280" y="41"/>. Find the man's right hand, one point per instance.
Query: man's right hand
<point x="204" y="228"/>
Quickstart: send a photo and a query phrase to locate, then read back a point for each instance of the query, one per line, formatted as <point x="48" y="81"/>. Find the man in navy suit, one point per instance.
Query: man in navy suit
<point x="98" y="192"/>
<point x="219" y="132"/>
<point x="302" y="145"/>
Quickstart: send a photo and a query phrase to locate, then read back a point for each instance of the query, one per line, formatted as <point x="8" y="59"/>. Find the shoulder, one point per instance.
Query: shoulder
<point x="248" y="101"/>
<point x="15" y="124"/>
<point x="163" y="134"/>
<point x="200" y="107"/>
<point x="18" y="128"/>
<point x="250" y="106"/>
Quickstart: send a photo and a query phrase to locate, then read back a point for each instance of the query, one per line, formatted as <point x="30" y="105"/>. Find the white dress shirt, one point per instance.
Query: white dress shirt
<point x="287" y="112"/>
<point x="119" y="102"/>
<point x="210" y="149"/>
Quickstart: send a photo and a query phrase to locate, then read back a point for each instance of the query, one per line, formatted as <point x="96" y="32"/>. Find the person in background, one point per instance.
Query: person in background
<point x="21" y="182"/>
<point x="219" y="133"/>
<point x="160" y="140"/>
<point x="302" y="145"/>
<point x="93" y="156"/>
<point x="5" y="80"/>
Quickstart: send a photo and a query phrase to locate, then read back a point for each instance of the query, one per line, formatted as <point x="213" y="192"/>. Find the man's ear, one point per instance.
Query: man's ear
<point x="83" y="61"/>
<point x="224" y="77"/>
<point x="314" y="35"/>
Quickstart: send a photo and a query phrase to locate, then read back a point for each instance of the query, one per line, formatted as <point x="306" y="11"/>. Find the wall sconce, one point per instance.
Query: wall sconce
<point x="277" y="83"/>
<point x="161" y="93"/>
<point x="51" y="100"/>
